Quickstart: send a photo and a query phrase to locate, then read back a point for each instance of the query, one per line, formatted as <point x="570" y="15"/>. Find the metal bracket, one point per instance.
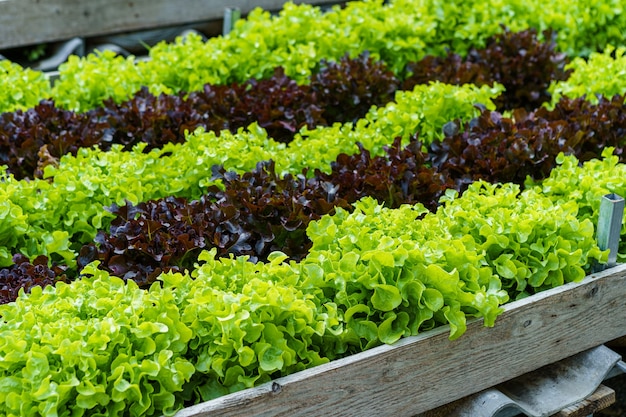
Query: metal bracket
<point x="610" y="226"/>
<point x="231" y="15"/>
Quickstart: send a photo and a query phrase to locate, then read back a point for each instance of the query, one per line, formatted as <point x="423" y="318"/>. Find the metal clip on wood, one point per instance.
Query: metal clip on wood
<point x="609" y="227"/>
<point x="231" y="15"/>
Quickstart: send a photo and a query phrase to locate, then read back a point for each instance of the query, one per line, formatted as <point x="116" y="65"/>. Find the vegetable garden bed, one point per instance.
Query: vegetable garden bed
<point x="416" y="374"/>
<point x="281" y="211"/>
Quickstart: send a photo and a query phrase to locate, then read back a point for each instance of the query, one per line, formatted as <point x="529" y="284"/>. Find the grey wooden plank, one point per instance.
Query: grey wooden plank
<point x="420" y="373"/>
<point x="27" y="22"/>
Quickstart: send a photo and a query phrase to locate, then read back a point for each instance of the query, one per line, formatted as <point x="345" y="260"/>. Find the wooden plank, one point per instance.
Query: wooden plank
<point x="421" y="373"/>
<point x="26" y="22"/>
<point x="602" y="398"/>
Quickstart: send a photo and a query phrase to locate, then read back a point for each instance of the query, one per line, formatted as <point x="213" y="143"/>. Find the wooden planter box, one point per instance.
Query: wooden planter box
<point x="420" y="373"/>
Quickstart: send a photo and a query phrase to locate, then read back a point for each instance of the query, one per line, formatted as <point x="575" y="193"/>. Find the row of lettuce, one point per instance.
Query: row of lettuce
<point x="373" y="269"/>
<point x="301" y="36"/>
<point x="372" y="274"/>
<point x="56" y="215"/>
<point x="261" y="211"/>
<point x="339" y="92"/>
<point x="51" y="215"/>
<point x="99" y="346"/>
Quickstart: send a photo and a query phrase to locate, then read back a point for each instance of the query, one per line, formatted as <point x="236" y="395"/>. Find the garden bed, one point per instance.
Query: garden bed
<point x="423" y="372"/>
<point x="437" y="200"/>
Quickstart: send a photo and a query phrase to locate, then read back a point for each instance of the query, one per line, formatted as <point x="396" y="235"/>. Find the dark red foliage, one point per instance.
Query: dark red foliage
<point x="145" y="118"/>
<point x="403" y="176"/>
<point x="519" y="61"/>
<point x="26" y="275"/>
<point x="341" y="91"/>
<point x="590" y="128"/>
<point x="348" y="89"/>
<point x="31" y="139"/>
<point x="496" y="149"/>
<point x="256" y="213"/>
<point x="277" y="104"/>
<point x="501" y="149"/>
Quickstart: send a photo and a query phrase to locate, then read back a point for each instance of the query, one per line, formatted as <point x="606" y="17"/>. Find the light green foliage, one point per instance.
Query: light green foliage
<point x="13" y="227"/>
<point x="602" y="74"/>
<point x="586" y="184"/>
<point x="375" y="266"/>
<point x="462" y="24"/>
<point x="252" y="322"/>
<point x="97" y="347"/>
<point x="476" y="252"/>
<point x="103" y="347"/>
<point x="84" y="83"/>
<point x="56" y="218"/>
<point x="300" y="36"/>
<point x="187" y="64"/>
<point x="583" y="26"/>
<point x="426" y="110"/>
<point x="21" y="88"/>
<point x="528" y="240"/>
<point x="63" y="214"/>
<point x="297" y="39"/>
<point x="100" y="346"/>
<point x="31" y="225"/>
<point x="397" y="32"/>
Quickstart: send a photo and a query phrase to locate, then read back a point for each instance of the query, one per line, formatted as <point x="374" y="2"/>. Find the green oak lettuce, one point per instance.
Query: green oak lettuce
<point x="299" y="37"/>
<point x="66" y="208"/>
<point x="602" y="73"/>
<point x="98" y="347"/>
<point x="585" y="185"/>
<point x="21" y="88"/>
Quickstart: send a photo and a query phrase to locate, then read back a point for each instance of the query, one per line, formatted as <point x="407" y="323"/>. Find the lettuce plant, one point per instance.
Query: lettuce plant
<point x="64" y="210"/>
<point x="21" y="88"/>
<point x="84" y="83"/>
<point x="100" y="346"/>
<point x="23" y="275"/>
<point x="256" y="213"/>
<point x="424" y="110"/>
<point x="585" y="184"/>
<point x="476" y="252"/>
<point x="340" y="91"/>
<point x="96" y="347"/>
<point x="252" y="322"/>
<point x="396" y="32"/>
<point x="602" y="74"/>
<point x="519" y="61"/>
<point x="495" y="148"/>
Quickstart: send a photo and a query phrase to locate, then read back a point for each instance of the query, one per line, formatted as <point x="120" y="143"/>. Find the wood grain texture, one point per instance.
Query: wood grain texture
<point x="421" y="373"/>
<point x="26" y="22"/>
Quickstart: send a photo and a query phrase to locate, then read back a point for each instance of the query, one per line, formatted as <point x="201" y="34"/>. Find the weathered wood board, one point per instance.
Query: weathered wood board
<point x="26" y="22"/>
<point x="423" y="372"/>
